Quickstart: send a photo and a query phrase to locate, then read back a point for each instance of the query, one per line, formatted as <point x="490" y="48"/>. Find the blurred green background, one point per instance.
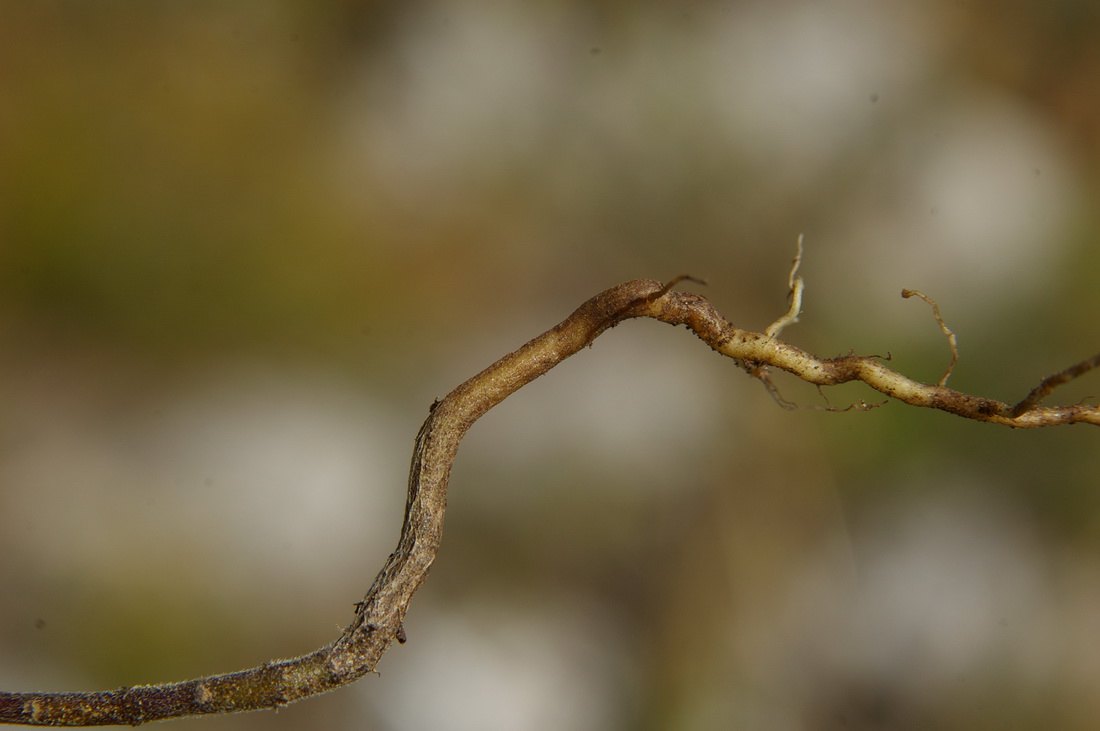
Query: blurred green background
<point x="243" y="246"/>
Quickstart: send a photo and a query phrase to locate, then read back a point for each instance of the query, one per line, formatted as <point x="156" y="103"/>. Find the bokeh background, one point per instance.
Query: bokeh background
<point x="244" y="245"/>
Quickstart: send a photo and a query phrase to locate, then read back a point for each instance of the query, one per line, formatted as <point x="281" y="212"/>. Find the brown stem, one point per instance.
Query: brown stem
<point x="1048" y="384"/>
<point x="378" y="618"/>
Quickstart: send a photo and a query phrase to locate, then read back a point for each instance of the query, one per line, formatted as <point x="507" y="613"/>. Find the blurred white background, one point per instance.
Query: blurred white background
<point x="243" y="247"/>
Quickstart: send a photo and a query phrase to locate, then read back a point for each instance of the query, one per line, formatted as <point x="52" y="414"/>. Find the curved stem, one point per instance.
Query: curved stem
<point x="378" y="618"/>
